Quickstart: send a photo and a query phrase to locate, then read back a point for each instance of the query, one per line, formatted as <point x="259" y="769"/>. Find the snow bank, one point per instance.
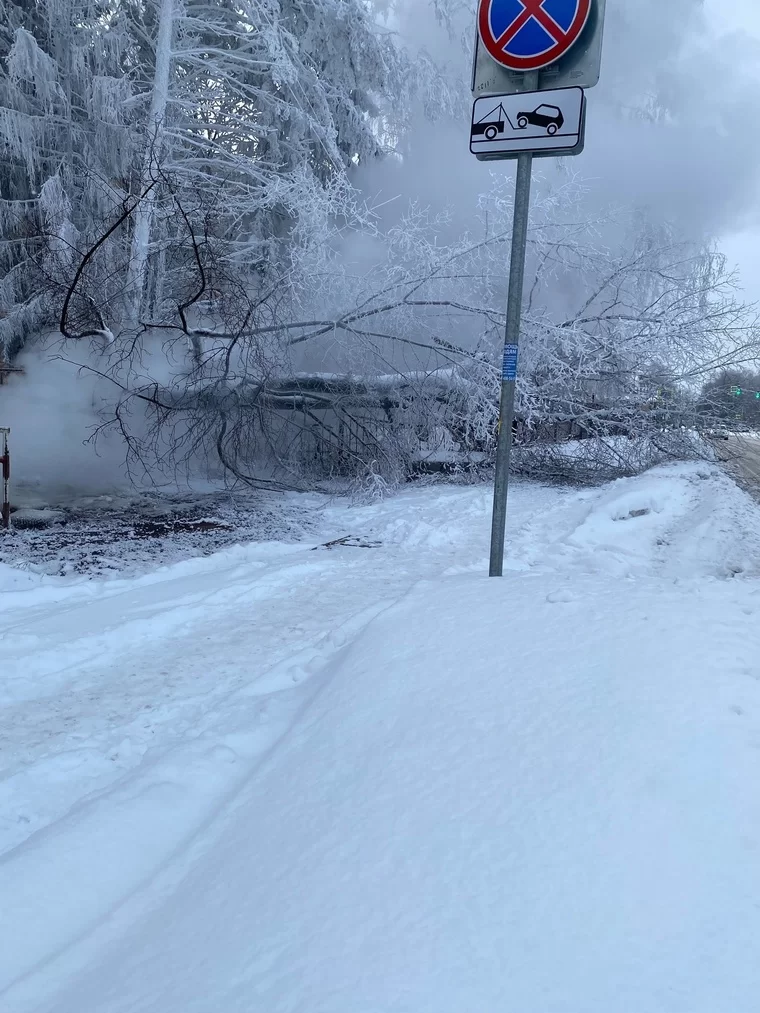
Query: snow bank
<point x="13" y="579"/>
<point x="683" y="520"/>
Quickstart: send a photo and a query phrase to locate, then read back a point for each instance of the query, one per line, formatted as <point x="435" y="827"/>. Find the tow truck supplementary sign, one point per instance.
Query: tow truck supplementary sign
<point x="524" y="35"/>
<point x="539" y="122"/>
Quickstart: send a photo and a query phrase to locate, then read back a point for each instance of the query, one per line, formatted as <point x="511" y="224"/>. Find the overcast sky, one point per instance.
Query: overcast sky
<point x="742" y="247"/>
<point x="672" y="126"/>
<point x="739" y="13"/>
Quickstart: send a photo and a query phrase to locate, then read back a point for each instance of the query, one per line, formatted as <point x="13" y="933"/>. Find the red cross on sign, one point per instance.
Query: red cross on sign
<point x="531" y="34"/>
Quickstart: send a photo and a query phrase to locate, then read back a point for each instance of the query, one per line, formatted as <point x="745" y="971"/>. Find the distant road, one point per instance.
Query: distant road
<point x="742" y="455"/>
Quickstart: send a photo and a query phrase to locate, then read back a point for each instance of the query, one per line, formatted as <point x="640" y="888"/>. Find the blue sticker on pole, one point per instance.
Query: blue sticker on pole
<point x="509" y="368"/>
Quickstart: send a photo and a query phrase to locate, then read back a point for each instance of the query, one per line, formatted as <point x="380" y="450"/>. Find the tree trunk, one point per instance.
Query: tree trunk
<point x="138" y="267"/>
<point x="60" y="33"/>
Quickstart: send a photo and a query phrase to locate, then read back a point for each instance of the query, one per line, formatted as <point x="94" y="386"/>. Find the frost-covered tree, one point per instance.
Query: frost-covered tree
<point x="66" y="152"/>
<point x="263" y="104"/>
<point x="245" y="115"/>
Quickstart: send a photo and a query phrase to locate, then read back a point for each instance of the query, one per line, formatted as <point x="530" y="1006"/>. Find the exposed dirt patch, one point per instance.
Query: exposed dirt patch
<point x="162" y="528"/>
<point x="129" y="535"/>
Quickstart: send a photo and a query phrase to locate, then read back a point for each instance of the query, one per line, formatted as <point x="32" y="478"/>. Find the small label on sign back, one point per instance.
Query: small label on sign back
<point x="509" y="368"/>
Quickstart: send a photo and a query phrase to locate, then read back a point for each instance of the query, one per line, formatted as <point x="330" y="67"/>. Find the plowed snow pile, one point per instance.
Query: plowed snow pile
<point x="375" y="781"/>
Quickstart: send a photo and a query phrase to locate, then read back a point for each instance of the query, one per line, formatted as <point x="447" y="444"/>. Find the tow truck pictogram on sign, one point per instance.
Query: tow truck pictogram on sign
<point x="530" y="34"/>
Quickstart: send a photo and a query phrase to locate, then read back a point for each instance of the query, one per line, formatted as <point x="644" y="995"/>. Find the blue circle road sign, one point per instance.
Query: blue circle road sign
<point x="531" y="34"/>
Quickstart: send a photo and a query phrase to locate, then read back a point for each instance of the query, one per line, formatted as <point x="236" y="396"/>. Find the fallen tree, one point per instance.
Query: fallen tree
<point x="617" y="339"/>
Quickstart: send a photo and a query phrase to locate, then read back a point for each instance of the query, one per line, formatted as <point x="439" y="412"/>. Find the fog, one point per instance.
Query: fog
<point x="669" y="125"/>
<point x="53" y="413"/>
<point x="671" y="133"/>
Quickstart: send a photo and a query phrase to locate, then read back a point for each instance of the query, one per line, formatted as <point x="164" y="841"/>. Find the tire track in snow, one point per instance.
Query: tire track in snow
<point x="110" y="846"/>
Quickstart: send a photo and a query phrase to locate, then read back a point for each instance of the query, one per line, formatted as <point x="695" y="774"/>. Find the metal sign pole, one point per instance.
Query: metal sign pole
<point x="5" y="471"/>
<point x="508" y="122"/>
<point x="511" y="346"/>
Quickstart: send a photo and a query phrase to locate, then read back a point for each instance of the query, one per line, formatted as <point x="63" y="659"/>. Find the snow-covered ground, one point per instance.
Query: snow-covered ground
<point x="371" y="780"/>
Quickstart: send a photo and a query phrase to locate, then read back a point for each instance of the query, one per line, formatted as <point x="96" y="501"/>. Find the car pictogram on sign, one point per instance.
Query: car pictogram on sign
<point x="548" y="117"/>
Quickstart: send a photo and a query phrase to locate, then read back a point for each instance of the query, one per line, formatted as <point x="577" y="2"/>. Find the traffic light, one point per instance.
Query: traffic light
<point x="737" y="391"/>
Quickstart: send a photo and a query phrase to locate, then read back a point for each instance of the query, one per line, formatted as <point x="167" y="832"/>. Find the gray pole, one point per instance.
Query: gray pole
<point x="5" y="473"/>
<point x="511" y="344"/>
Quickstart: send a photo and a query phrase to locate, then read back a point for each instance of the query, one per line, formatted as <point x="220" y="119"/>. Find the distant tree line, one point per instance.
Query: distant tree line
<point x="733" y="395"/>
